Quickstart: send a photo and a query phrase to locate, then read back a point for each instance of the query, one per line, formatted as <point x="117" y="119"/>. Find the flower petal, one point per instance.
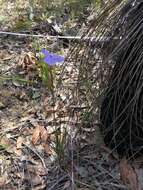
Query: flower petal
<point x="51" y="58"/>
<point x="45" y="52"/>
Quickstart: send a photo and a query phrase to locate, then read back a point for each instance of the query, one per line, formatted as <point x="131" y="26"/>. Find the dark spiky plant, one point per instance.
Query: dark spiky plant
<point x="108" y="70"/>
<point x="122" y="109"/>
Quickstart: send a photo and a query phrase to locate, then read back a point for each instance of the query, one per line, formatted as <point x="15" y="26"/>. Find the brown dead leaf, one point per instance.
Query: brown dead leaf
<point x="36" y="135"/>
<point x="28" y="61"/>
<point x="44" y="134"/>
<point x="19" y="143"/>
<point x="5" y="141"/>
<point x="4" y="54"/>
<point x="47" y="149"/>
<point x="40" y="134"/>
<point x="18" y="149"/>
<point x="3" y="181"/>
<point x="128" y="175"/>
<point x="18" y="152"/>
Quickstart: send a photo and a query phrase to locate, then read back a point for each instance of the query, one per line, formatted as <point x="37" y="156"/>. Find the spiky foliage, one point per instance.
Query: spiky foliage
<point x="108" y="72"/>
<point x="90" y="56"/>
<point x="122" y="111"/>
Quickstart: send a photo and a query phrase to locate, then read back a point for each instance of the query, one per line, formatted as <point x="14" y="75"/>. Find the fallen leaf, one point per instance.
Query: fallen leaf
<point x="36" y="135"/>
<point x="27" y="61"/>
<point x="47" y="149"/>
<point x="4" y="54"/>
<point x="44" y="134"/>
<point x="3" y="180"/>
<point x="18" y="152"/>
<point x="5" y="141"/>
<point x="19" y="143"/>
<point x="128" y="175"/>
<point x="40" y="134"/>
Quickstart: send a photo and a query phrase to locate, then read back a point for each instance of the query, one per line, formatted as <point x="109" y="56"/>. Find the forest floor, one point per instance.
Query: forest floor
<point x="27" y="159"/>
<point x="30" y="125"/>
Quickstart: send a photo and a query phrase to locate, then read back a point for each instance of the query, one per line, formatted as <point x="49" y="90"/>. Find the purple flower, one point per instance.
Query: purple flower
<point x="51" y="58"/>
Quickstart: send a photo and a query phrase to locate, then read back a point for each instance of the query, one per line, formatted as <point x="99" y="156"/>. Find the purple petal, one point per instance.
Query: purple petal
<point x="49" y="61"/>
<point x="45" y="52"/>
<point x="51" y="58"/>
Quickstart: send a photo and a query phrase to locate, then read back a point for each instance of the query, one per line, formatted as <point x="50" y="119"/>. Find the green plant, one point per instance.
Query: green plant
<point x="47" y="65"/>
<point x="60" y="143"/>
<point x="46" y="74"/>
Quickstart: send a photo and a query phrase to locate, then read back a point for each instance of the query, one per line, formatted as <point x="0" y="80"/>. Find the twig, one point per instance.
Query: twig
<point x="50" y="37"/>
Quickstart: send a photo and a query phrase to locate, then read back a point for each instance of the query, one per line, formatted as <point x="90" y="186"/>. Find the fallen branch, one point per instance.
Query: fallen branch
<point x="50" y="37"/>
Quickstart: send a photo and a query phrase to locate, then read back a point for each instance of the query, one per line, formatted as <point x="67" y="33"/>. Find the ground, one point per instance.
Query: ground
<point x="36" y="152"/>
<point x="27" y="157"/>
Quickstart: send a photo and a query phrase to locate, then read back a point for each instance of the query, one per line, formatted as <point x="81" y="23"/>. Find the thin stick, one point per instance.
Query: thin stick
<point x="50" y="37"/>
